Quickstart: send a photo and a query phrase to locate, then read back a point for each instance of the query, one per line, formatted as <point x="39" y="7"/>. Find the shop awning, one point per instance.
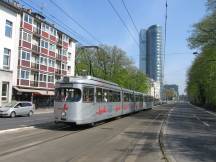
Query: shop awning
<point x="36" y="91"/>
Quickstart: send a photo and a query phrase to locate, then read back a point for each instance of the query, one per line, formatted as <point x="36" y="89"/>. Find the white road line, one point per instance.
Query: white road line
<point x="204" y="110"/>
<point x="205" y="123"/>
<point x="15" y="129"/>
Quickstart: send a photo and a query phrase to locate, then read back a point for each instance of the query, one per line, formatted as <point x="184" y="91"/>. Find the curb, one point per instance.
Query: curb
<point x="166" y="156"/>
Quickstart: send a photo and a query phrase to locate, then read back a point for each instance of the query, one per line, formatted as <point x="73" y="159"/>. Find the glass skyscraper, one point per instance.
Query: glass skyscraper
<point x="151" y="53"/>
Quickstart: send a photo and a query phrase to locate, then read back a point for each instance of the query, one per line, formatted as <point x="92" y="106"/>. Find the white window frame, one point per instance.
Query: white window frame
<point x="26" y="53"/>
<point x="7" y="92"/>
<point x="42" y="60"/>
<point x="26" y="77"/>
<point x="52" y="47"/>
<point x="10" y="28"/>
<point x="51" y="63"/>
<point x="44" y="43"/>
<point x="28" y="36"/>
<point x="29" y="18"/>
<point x="52" y="79"/>
<point x="9" y="58"/>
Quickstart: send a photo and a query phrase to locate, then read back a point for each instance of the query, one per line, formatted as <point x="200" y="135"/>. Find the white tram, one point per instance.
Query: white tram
<point x="86" y="100"/>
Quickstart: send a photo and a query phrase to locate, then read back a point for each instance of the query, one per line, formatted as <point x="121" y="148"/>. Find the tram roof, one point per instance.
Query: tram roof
<point x="85" y="79"/>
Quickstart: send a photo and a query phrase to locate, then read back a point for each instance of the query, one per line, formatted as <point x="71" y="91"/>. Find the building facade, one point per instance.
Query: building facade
<point x="154" y="53"/>
<point x="172" y="87"/>
<point x="9" y="42"/>
<point x="44" y="55"/>
<point x="151" y="54"/>
<point x="143" y="51"/>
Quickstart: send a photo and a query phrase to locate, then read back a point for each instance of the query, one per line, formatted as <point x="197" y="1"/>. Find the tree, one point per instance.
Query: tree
<point x="111" y="63"/>
<point x="204" y="32"/>
<point x="201" y="87"/>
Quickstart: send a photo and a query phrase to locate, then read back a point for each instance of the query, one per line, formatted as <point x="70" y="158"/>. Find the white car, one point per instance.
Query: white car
<point x="17" y="108"/>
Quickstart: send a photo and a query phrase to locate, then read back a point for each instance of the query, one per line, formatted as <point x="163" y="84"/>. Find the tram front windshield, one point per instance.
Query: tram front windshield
<point x="67" y="94"/>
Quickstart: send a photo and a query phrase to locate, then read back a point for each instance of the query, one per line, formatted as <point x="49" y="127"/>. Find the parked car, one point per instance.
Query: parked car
<point x="17" y="108"/>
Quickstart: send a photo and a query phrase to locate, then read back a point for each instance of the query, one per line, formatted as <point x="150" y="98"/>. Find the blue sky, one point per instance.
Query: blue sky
<point x="98" y="17"/>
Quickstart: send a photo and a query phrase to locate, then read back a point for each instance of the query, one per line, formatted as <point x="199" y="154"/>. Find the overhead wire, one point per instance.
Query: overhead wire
<point x="76" y="22"/>
<point x="129" y="14"/>
<point x="122" y="21"/>
<point x="62" y="25"/>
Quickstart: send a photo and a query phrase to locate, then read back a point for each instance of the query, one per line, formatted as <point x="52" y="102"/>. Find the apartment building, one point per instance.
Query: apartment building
<point x="44" y="54"/>
<point x="9" y="42"/>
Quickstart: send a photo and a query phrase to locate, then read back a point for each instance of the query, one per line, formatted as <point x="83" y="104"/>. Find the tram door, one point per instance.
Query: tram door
<point x="99" y="105"/>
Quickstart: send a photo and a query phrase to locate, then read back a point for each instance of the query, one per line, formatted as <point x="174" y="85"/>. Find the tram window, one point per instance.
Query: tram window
<point x="67" y="94"/>
<point x="136" y="98"/>
<point x="105" y="95"/>
<point x="110" y="96"/>
<point x="88" y="94"/>
<point x="98" y="94"/>
<point x="126" y="97"/>
<point x="116" y="96"/>
<point x="131" y="97"/>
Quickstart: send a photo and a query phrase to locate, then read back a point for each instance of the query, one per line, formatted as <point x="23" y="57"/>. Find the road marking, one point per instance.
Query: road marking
<point x="205" y="123"/>
<point x="15" y="129"/>
<point x="204" y="110"/>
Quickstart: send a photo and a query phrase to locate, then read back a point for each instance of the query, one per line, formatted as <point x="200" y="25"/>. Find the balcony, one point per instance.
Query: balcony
<point x="35" y="66"/>
<point x="36" y="32"/>
<point x="34" y="83"/>
<point x="58" y="56"/>
<point x="35" y="49"/>
<point x="58" y="71"/>
<point x="59" y="42"/>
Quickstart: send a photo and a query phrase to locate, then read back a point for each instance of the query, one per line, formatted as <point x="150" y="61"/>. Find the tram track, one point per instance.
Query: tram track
<point x="39" y="142"/>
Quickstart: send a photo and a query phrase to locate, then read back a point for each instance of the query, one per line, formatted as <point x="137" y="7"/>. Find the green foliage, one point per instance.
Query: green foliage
<point x="201" y="84"/>
<point x="204" y="33"/>
<point x="110" y="63"/>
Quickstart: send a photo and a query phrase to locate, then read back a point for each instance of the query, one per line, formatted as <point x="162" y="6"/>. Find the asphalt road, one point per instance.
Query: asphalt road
<point x="190" y="134"/>
<point x="130" y="138"/>
<point x="25" y="121"/>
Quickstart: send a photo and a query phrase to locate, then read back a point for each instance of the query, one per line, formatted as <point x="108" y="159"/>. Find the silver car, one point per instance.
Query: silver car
<point x="17" y="108"/>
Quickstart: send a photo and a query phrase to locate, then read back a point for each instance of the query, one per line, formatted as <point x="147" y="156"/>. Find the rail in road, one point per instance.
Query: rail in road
<point x="131" y="138"/>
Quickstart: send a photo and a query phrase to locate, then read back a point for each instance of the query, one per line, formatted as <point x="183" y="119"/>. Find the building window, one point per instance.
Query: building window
<point x="8" y="28"/>
<point x="25" y="55"/>
<point x="43" y="60"/>
<point x="64" y="52"/>
<point x="53" y="31"/>
<point x="43" y="77"/>
<point x="28" y="18"/>
<point x="26" y="37"/>
<point x="6" y="58"/>
<point x="65" y="38"/>
<point x="44" y="44"/>
<point x="24" y="74"/>
<point x="52" y="47"/>
<point x="51" y="63"/>
<point x="5" y="89"/>
<point x="45" y="27"/>
<point x="50" y="78"/>
<point x="63" y="66"/>
<point x="69" y="68"/>
<point x="69" y="56"/>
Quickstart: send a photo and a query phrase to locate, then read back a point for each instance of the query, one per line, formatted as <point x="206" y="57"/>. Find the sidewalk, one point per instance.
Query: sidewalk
<point x="44" y="110"/>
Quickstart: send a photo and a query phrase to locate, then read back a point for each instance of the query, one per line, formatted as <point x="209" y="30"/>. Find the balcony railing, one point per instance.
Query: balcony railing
<point x="35" y="48"/>
<point x="34" y="83"/>
<point x="59" y="56"/>
<point x="34" y="66"/>
<point x="36" y="31"/>
<point x="57" y="71"/>
<point x="59" y="42"/>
